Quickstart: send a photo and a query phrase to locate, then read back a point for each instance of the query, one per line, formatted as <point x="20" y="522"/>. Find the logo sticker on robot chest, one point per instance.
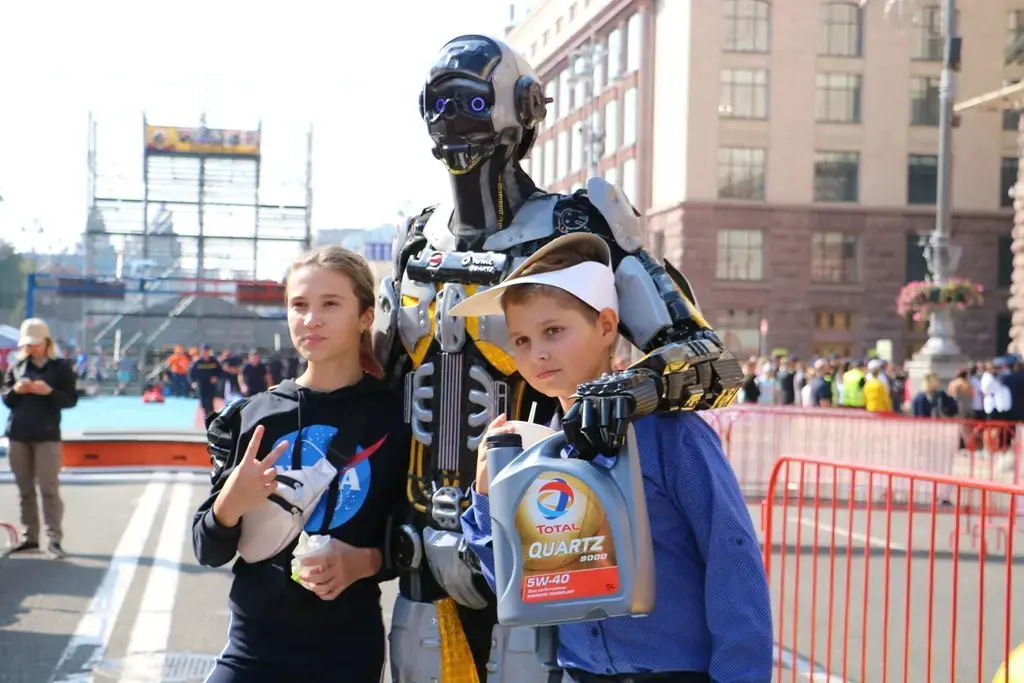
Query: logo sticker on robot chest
<point x="435" y="260"/>
<point x="479" y="263"/>
<point x="571" y="220"/>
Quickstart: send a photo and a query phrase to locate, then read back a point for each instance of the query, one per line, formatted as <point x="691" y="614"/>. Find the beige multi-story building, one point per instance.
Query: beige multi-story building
<point x="783" y="153"/>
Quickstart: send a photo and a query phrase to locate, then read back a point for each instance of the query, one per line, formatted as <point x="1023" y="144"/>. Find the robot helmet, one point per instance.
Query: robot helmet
<point x="481" y="96"/>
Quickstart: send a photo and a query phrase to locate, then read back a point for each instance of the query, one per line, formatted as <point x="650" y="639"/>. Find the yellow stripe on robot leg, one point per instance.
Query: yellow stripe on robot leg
<point x="457" y="664"/>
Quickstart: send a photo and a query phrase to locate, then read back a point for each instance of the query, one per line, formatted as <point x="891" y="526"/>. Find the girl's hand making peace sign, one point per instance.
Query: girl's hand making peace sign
<point x="249" y="484"/>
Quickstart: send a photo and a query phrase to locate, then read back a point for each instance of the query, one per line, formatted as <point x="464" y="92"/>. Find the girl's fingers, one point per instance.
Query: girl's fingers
<point x="273" y="455"/>
<point x="254" y="445"/>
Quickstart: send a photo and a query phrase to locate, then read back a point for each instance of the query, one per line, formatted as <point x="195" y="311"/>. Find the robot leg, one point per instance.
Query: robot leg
<point x="415" y="643"/>
<point x="524" y="654"/>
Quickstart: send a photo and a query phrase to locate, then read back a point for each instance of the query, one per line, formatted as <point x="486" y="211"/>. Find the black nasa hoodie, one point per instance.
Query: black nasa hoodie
<point x="361" y="430"/>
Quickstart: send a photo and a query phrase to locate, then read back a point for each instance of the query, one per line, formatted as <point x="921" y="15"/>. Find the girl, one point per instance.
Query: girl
<point x="329" y="626"/>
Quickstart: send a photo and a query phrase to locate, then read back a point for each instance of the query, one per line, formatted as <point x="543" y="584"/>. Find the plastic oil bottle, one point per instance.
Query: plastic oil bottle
<point x="571" y="538"/>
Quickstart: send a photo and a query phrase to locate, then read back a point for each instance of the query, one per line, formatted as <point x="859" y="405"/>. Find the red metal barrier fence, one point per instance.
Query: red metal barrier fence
<point x="874" y="586"/>
<point x="755" y="437"/>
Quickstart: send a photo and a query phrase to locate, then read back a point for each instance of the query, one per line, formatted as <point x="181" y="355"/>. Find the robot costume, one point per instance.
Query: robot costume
<point x="482" y="105"/>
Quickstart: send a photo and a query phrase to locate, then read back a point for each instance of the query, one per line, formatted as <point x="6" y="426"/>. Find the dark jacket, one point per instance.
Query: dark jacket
<point x="36" y="418"/>
<point x="360" y="429"/>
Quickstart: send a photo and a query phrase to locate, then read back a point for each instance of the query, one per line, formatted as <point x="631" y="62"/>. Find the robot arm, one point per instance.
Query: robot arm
<point x="685" y="366"/>
<point x="386" y="347"/>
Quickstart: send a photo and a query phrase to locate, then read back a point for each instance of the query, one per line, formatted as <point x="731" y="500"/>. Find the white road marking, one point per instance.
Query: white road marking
<point x="146" y="653"/>
<point x="866" y="540"/>
<point x="89" y="643"/>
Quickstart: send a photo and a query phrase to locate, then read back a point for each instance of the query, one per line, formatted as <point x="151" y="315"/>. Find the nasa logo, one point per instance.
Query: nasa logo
<point x="571" y="220"/>
<point x="435" y="260"/>
<point x="354" y="477"/>
<point x="555" y="498"/>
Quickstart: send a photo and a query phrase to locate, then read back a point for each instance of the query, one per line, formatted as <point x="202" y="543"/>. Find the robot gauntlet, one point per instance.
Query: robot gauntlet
<point x="686" y="368"/>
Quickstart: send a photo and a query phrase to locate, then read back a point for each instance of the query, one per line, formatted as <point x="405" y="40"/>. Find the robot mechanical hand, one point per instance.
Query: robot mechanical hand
<point x="677" y="376"/>
<point x="596" y="423"/>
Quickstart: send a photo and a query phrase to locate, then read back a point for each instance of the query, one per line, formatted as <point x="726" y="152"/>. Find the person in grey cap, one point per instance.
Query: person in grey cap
<point x="36" y="387"/>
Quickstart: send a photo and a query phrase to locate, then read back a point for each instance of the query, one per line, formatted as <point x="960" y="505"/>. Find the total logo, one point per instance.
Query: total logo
<point x="435" y="260"/>
<point x="555" y="498"/>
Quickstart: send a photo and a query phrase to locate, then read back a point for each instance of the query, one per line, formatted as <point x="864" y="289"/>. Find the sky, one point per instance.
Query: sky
<point x="351" y="70"/>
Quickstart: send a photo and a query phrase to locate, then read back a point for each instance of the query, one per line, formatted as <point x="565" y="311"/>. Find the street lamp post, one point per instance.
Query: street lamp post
<point x="940" y="354"/>
<point x="942" y="257"/>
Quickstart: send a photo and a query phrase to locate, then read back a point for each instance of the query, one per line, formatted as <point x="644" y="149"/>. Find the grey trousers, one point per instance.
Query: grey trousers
<point x="33" y="464"/>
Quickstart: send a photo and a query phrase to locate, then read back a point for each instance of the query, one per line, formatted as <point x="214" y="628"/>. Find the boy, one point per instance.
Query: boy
<point x="712" y="620"/>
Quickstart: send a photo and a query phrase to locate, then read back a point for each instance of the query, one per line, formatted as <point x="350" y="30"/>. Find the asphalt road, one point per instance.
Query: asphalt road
<point x="130" y="604"/>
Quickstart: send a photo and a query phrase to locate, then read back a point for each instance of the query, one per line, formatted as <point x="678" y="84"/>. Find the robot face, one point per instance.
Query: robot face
<point x="457" y="111"/>
<point x="458" y="102"/>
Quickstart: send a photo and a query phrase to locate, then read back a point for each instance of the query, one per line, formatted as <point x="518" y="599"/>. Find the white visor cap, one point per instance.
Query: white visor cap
<point x="591" y="282"/>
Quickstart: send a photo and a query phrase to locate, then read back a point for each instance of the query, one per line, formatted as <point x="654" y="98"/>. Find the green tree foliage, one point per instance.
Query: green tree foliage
<point x="12" y="284"/>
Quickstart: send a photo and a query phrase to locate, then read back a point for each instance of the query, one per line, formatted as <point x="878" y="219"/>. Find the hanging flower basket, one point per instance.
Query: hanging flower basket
<point x="919" y="299"/>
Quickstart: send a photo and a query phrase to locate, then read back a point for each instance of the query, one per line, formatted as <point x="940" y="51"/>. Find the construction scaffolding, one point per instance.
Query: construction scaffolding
<point x="181" y="236"/>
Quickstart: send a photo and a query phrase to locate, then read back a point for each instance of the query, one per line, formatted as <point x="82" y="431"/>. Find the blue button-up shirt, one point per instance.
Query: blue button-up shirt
<point x="713" y="610"/>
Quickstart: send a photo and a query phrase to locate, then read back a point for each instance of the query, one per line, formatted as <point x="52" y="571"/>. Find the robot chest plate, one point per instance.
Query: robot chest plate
<point x="426" y="326"/>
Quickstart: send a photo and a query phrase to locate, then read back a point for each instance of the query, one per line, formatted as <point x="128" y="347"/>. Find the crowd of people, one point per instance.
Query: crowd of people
<point x="985" y="390"/>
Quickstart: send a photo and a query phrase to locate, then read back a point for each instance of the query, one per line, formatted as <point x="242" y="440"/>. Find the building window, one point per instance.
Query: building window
<point x="922" y="178"/>
<point x="614" y="53"/>
<point x="562" y="162"/>
<point x="611" y="127"/>
<point x="611" y="174"/>
<point x="837" y="98"/>
<point x="917" y="265"/>
<point x="833" y="321"/>
<point x="600" y="67"/>
<point x="740" y="332"/>
<point x="564" y="94"/>
<point x="841" y="30"/>
<point x="744" y="94"/>
<point x="629" y="118"/>
<point x="552" y="107"/>
<point x="1008" y="181"/>
<point x="1003" y="322"/>
<point x="747" y="25"/>
<point x="633" y="43"/>
<point x="1004" y="276"/>
<point x="1011" y="117"/>
<point x="834" y="258"/>
<point x="927" y="40"/>
<point x="549" y="161"/>
<point x="547" y="34"/>
<point x="836" y="176"/>
<point x="558" y="25"/>
<point x="577" y="144"/>
<point x="1014" y="27"/>
<point x="740" y="255"/>
<point x="741" y="173"/>
<point x="924" y="101"/>
<point x="629" y="180"/>
<point x="827" y="350"/>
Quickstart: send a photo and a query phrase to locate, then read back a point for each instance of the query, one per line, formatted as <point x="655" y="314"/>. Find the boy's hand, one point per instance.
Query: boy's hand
<point x="498" y="426"/>
<point x="596" y="423"/>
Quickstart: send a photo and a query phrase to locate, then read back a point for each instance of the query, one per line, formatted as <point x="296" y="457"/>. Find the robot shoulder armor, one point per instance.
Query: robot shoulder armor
<point x="614" y="207"/>
<point x="533" y="221"/>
